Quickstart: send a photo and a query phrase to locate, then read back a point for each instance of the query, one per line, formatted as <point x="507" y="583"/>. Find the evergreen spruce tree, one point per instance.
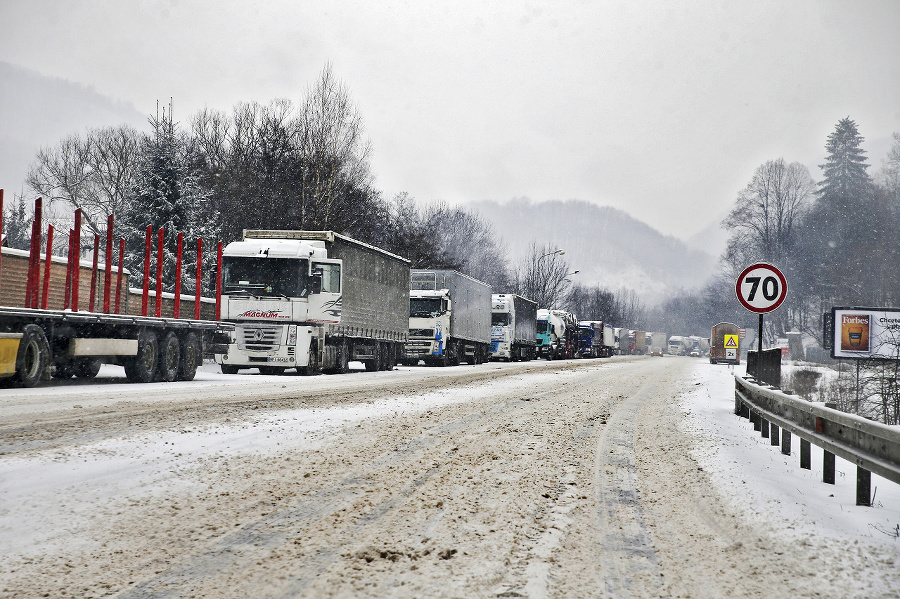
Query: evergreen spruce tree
<point x="841" y="234"/>
<point x="17" y="225"/>
<point x="845" y="178"/>
<point x="166" y="196"/>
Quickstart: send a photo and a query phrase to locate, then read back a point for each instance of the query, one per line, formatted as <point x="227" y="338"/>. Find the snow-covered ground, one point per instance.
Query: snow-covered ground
<point x="761" y="481"/>
<point x="59" y="500"/>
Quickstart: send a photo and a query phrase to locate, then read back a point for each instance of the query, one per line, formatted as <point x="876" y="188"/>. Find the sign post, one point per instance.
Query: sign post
<point x="761" y="288"/>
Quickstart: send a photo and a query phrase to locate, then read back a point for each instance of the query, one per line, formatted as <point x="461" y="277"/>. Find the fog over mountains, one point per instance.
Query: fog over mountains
<point x="37" y="111"/>
<point x="605" y="244"/>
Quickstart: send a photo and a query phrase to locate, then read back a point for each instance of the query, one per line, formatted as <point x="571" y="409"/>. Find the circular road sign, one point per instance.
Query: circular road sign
<point x="761" y="288"/>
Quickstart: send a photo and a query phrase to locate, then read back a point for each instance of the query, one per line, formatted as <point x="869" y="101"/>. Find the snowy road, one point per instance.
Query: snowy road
<point x="622" y="478"/>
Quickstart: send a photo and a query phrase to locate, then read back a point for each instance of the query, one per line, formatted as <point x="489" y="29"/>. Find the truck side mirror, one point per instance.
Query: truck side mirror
<point x="316" y="282"/>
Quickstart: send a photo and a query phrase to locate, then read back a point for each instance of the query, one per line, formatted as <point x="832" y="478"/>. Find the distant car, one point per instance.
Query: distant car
<point x="695" y="353"/>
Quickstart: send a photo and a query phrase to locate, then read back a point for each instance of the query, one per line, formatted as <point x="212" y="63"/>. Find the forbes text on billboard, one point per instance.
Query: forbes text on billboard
<point x="866" y="333"/>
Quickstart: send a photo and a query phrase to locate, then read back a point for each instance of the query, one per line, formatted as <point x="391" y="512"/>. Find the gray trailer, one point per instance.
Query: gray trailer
<point x="449" y="318"/>
<point x="513" y="327"/>
<point x="313" y="301"/>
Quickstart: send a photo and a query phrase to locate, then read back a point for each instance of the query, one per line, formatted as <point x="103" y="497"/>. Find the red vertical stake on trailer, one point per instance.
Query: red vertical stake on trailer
<point x="146" y="271"/>
<point x="76" y="260"/>
<point x="47" y="262"/>
<point x="34" y="258"/>
<point x="177" y="306"/>
<point x="1" y="222"/>
<point x="198" y="286"/>
<point x="159" y="271"/>
<point x="93" y="297"/>
<point x="30" y="273"/>
<point x="38" y="227"/>
<point x="119" y="273"/>
<point x="219" y="283"/>
<point x="107" y="273"/>
<point x="68" y="289"/>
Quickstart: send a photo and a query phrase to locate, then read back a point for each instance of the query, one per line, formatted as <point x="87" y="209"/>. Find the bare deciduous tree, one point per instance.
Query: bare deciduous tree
<point x="765" y="219"/>
<point x="94" y="173"/>
<point x="542" y="276"/>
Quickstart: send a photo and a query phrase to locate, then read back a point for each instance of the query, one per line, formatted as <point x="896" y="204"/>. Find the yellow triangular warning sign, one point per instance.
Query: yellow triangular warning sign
<point x="731" y="341"/>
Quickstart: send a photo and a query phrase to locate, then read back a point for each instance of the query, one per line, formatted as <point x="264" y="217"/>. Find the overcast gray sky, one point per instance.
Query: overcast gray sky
<point x="663" y="109"/>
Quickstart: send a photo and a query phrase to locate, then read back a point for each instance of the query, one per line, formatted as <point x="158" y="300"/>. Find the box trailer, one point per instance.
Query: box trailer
<point x="725" y="344"/>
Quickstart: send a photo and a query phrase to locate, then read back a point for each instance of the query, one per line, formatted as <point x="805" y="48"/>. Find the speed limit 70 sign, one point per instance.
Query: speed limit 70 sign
<point x="761" y="288"/>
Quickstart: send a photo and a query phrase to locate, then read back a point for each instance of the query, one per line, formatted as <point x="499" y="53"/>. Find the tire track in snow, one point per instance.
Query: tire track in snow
<point x="630" y="566"/>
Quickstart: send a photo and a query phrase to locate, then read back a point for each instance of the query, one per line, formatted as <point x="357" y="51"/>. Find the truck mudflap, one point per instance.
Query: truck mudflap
<point x="9" y="348"/>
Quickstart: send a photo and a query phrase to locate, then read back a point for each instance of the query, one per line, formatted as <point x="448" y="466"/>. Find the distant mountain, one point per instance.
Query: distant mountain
<point x="37" y="111"/>
<point x="713" y="239"/>
<point x="605" y="244"/>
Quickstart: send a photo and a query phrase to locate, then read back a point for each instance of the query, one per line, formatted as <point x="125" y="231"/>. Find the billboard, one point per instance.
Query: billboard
<point x="865" y="333"/>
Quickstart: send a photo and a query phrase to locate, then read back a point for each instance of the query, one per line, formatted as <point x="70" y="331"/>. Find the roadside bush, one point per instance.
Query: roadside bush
<point x="803" y="382"/>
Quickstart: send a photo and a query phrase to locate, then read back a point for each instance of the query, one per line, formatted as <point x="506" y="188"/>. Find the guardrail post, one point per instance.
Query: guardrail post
<point x="773" y="434"/>
<point x="805" y="455"/>
<point x="828" y="468"/>
<point x="738" y="406"/>
<point x="863" y="487"/>
<point x="764" y="424"/>
<point x="756" y="420"/>
<point x="786" y="442"/>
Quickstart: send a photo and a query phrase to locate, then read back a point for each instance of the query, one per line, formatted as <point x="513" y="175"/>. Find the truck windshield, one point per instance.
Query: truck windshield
<point x="265" y="277"/>
<point x="425" y="307"/>
<point x="542" y="327"/>
<point x="500" y="319"/>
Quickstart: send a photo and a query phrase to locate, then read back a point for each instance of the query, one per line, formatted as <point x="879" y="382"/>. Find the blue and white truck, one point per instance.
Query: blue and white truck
<point x="449" y="319"/>
<point x="513" y="327"/>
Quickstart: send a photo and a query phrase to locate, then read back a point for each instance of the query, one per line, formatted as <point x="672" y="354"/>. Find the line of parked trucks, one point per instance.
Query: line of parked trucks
<point x="308" y="302"/>
<point x="304" y="300"/>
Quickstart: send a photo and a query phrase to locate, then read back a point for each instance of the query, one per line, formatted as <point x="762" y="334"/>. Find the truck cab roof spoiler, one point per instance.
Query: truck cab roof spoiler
<point x="326" y="236"/>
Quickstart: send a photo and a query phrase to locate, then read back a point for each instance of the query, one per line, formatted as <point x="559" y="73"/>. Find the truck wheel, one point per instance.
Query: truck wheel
<point x="388" y="357"/>
<point x="169" y="357"/>
<point x="142" y="367"/>
<point x="88" y="368"/>
<point x="190" y="357"/>
<point x="375" y="364"/>
<point x="313" y="367"/>
<point x="229" y="369"/>
<point x="343" y="366"/>
<point x="33" y="356"/>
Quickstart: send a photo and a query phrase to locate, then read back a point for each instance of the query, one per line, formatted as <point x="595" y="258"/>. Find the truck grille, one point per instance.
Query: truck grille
<point x="253" y="337"/>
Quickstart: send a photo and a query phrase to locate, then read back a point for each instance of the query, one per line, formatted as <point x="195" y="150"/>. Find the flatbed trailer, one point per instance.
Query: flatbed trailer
<point x="42" y="344"/>
<point x="44" y="335"/>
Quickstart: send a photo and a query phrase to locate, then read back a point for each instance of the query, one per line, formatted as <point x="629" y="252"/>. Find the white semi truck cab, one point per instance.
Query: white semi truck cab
<point x="429" y="324"/>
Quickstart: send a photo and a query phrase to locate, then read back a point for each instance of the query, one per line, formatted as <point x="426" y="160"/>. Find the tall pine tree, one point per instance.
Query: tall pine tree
<point x="166" y="195"/>
<point x="845" y="178"/>
<point x="844" y="229"/>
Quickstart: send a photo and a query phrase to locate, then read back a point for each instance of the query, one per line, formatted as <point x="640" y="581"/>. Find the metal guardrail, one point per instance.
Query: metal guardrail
<point x="872" y="446"/>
